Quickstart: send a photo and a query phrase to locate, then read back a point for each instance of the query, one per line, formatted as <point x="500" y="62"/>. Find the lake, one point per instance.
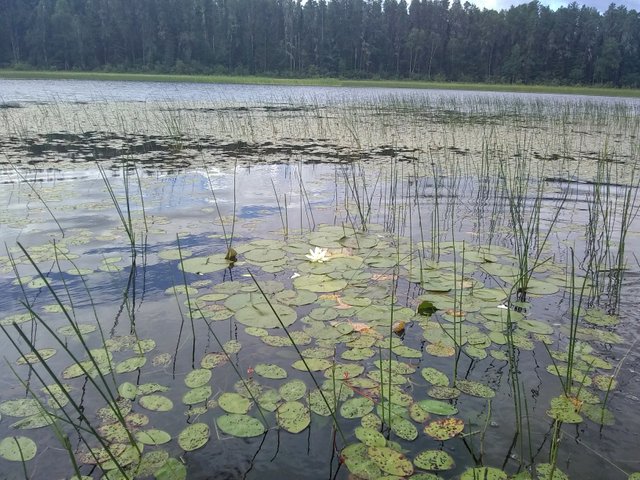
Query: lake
<point x="227" y="281"/>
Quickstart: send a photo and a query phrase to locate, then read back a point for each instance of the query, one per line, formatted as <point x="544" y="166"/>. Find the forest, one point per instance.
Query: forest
<point x="424" y="39"/>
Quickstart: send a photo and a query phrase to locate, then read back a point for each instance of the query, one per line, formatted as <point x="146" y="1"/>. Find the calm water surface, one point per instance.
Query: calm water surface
<point x="431" y="192"/>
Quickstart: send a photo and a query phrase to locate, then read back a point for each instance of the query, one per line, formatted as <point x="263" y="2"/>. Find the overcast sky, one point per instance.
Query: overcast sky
<point x="601" y="5"/>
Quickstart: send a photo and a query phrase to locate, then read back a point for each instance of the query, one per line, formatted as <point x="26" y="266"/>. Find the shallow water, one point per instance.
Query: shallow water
<point x="418" y="175"/>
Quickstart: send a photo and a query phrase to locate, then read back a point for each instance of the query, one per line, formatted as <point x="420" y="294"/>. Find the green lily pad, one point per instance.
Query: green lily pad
<point x="434" y="460"/>
<point x="443" y="393"/>
<point x="357" y="460"/>
<point x="152" y="437"/>
<point x="131" y="364"/>
<point x="312" y="364"/>
<point x="598" y="414"/>
<point x="356" y="407"/>
<point x="173" y="469"/>
<point x="435" y="377"/>
<point x="197" y="395"/>
<point x="475" y="389"/>
<point x="31" y="358"/>
<point x="39" y="420"/>
<point x="197" y="378"/>
<point x="319" y="283"/>
<point x="604" y="382"/>
<point x="18" y="449"/>
<point x="371" y="420"/>
<point x="391" y="461"/>
<point x="208" y="264"/>
<point x="293" y="417"/>
<point x="440" y="349"/>
<point x="149" y="388"/>
<point x="370" y="437"/>
<point x="24" y="407"/>
<point x="344" y="371"/>
<point x="485" y="473"/>
<point x="417" y="413"/>
<point x="356" y="354"/>
<point x="437" y="407"/>
<point x="404" y="429"/>
<point x="194" y="436"/>
<point x="565" y="410"/>
<point x="269" y="400"/>
<point x="445" y="428"/>
<point x="545" y="471"/>
<point x="318" y="405"/>
<point x="293" y="390"/>
<point x="212" y="360"/>
<point x="232" y="402"/>
<point x="269" y="370"/>
<point x="535" y="326"/>
<point x="261" y="315"/>
<point x="296" y="298"/>
<point x="128" y="390"/>
<point x="240" y="425"/>
<point x="156" y="403"/>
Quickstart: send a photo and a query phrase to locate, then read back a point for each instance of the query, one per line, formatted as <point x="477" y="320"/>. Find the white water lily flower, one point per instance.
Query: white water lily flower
<point x="318" y="255"/>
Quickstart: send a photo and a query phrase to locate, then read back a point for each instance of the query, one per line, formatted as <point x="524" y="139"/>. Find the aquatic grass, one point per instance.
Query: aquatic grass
<point x="104" y="390"/>
<point x="77" y="408"/>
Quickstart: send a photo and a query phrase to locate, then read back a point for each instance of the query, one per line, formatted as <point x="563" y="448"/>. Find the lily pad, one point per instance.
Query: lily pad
<point x="24" y="407"/>
<point x="445" y="428"/>
<point x="475" y="389"/>
<point x="545" y="471"/>
<point x="404" y="429"/>
<point x="232" y="402"/>
<point x="208" y="264"/>
<point x="39" y="420"/>
<point x="435" y="377"/>
<point x="293" y="390"/>
<point x="443" y="393"/>
<point x="128" y="390"/>
<point x="262" y="316"/>
<point x="31" y="358"/>
<point x="131" y="364"/>
<point x="437" y="407"/>
<point x="197" y="395"/>
<point x="370" y="437"/>
<point x="240" y="425"/>
<point x="173" y="469"/>
<point x="319" y="283"/>
<point x="565" y="409"/>
<point x="357" y="460"/>
<point x="312" y="364"/>
<point x="194" y="436"/>
<point x="485" y="473"/>
<point x="356" y="407"/>
<point x="293" y="417"/>
<point x="18" y="449"/>
<point x="152" y="437"/>
<point x="434" y="460"/>
<point x="156" y="403"/>
<point x="197" y="378"/>
<point x="391" y="461"/>
<point x="269" y="370"/>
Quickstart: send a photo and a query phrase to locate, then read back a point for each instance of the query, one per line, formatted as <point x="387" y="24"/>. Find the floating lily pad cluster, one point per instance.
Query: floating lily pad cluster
<point x="337" y="318"/>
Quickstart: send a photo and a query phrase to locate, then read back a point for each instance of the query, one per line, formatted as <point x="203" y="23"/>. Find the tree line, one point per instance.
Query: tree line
<point x="423" y="39"/>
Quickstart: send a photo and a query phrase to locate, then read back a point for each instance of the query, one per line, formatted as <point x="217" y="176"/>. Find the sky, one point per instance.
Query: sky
<point x="601" y="5"/>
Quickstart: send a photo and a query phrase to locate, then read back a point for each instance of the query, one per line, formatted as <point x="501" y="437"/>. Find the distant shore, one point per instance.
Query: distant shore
<point x="319" y="81"/>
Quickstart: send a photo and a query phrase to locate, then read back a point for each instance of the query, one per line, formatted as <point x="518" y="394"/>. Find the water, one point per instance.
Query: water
<point x="421" y="181"/>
